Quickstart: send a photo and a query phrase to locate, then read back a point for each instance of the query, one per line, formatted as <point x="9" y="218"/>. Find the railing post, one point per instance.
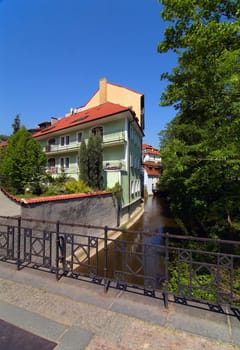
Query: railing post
<point x="165" y="292"/>
<point x="105" y="270"/>
<point x="57" y="250"/>
<point x="19" y="244"/>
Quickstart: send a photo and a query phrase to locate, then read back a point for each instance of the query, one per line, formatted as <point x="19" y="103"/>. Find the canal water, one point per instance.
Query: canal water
<point x="140" y="252"/>
<point x="156" y="217"/>
<point x="143" y="256"/>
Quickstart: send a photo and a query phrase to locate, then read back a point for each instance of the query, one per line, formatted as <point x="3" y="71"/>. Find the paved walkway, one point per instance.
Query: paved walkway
<point x="79" y="315"/>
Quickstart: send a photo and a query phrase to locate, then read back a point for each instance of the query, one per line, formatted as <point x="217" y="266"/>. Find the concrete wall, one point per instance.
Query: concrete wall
<point x="39" y="227"/>
<point x="8" y="206"/>
<point x="92" y="210"/>
<point x="128" y="212"/>
<point x="96" y="210"/>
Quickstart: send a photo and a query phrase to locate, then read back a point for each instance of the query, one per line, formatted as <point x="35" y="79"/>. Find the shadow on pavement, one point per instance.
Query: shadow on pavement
<point x="15" y="338"/>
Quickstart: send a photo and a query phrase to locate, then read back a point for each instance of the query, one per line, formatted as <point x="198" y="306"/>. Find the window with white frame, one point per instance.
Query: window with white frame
<point x="64" y="140"/>
<point x="64" y="163"/>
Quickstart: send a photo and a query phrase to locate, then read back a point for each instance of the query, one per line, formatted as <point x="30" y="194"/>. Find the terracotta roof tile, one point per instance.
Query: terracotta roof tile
<point x="63" y="197"/>
<point x="101" y="111"/>
<point x="152" y="171"/>
<point x="3" y="143"/>
<point x="52" y="198"/>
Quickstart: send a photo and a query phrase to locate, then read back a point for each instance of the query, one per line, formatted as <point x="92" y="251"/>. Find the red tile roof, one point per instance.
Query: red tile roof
<point x="101" y="111"/>
<point x="52" y="198"/>
<point x="152" y="171"/>
<point x="3" y="143"/>
<point x="150" y="150"/>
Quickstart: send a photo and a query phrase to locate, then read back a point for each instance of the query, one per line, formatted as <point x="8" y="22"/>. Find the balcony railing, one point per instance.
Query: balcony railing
<point x="108" y="140"/>
<point x="114" y="138"/>
<point x="73" y="170"/>
<point x="57" y="170"/>
<point x="61" y="149"/>
<point x="114" y="165"/>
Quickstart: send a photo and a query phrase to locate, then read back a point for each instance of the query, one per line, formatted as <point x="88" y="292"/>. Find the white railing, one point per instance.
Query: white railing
<point x="111" y="138"/>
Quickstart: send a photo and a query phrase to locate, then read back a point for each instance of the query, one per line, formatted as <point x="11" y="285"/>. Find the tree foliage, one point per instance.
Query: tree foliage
<point x="23" y="163"/>
<point x="201" y="146"/>
<point x="90" y="162"/>
<point x="16" y="124"/>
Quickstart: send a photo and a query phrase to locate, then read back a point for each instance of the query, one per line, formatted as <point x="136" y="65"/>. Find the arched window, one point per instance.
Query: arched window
<point x="51" y="162"/>
<point x="98" y="129"/>
<point x="52" y="141"/>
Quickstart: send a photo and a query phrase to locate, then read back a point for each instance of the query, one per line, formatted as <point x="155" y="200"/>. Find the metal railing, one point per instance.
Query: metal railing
<point x="174" y="268"/>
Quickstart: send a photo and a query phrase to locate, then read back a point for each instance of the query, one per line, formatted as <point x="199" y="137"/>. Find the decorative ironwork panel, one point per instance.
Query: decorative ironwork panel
<point x="139" y="265"/>
<point x="38" y="248"/>
<point x="205" y="276"/>
<point x="8" y="242"/>
<point x="81" y="255"/>
<point x="168" y="263"/>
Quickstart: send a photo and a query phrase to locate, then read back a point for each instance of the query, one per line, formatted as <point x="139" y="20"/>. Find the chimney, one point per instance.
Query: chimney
<point x="102" y="90"/>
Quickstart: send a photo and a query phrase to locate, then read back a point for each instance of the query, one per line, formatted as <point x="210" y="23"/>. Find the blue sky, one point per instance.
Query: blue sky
<point x="53" y="53"/>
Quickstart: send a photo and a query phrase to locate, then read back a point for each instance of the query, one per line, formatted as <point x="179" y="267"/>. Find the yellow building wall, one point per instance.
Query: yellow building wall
<point x="108" y="92"/>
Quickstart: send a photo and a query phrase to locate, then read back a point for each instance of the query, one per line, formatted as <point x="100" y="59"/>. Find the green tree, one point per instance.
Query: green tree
<point x="23" y="163"/>
<point x="98" y="160"/>
<point x="16" y="124"/>
<point x="200" y="147"/>
<point x="95" y="159"/>
<point x="83" y="162"/>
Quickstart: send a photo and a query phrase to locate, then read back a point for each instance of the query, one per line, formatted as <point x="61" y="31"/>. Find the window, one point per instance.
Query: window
<point x="64" y="162"/>
<point x="131" y="159"/>
<point x="51" y="141"/>
<point x="51" y="169"/>
<point x="79" y="137"/>
<point x="132" y="187"/>
<point x="98" y="129"/>
<point x="64" y="140"/>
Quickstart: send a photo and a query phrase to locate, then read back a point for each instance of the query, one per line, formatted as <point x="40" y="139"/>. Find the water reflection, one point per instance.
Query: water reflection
<point x="142" y="261"/>
<point x="156" y="217"/>
<point x="138" y="258"/>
